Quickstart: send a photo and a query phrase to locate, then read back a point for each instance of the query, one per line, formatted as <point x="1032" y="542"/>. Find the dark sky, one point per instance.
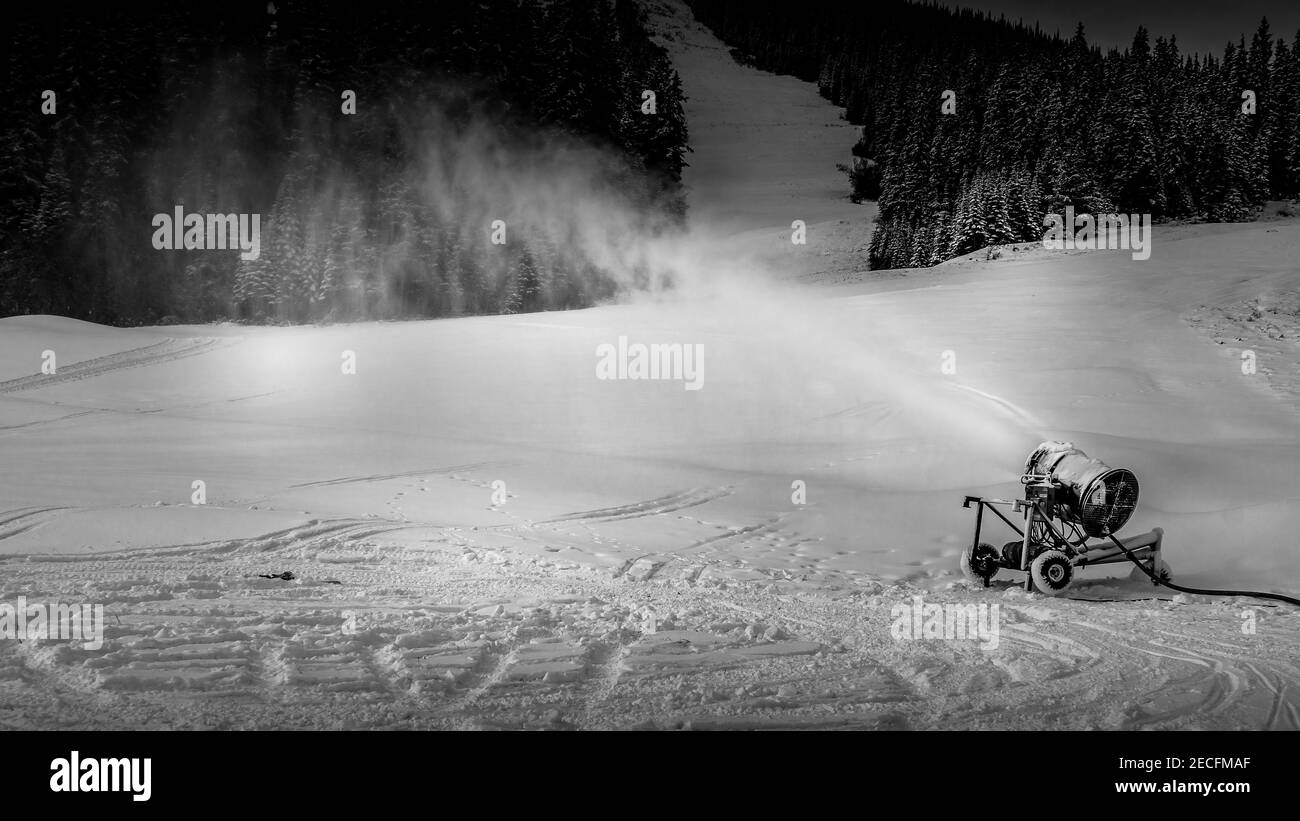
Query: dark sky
<point x="1200" y="25"/>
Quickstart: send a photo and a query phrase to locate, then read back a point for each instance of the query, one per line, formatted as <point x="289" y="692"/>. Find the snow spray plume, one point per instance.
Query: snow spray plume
<point x="459" y="209"/>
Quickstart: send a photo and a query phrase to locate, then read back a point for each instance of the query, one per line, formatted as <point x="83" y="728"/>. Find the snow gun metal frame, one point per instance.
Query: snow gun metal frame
<point x="1069" y="498"/>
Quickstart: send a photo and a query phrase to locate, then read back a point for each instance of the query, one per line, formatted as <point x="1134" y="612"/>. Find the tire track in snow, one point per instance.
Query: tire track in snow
<point x="1218" y="685"/>
<point x="1062" y="649"/>
<point x="1282" y="706"/>
<point x="1272" y="680"/>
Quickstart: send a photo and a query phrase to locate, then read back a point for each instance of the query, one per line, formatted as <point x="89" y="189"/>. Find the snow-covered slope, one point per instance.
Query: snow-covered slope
<point x="483" y="533"/>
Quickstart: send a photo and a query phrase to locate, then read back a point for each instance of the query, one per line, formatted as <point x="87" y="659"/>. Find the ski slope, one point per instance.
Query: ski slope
<point x="485" y="534"/>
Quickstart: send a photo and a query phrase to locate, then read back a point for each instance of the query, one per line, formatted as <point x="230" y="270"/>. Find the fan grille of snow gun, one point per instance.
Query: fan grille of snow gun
<point x="1098" y="498"/>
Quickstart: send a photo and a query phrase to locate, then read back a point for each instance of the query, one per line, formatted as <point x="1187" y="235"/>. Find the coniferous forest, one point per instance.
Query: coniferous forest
<point x="384" y="211"/>
<point x="1037" y="122"/>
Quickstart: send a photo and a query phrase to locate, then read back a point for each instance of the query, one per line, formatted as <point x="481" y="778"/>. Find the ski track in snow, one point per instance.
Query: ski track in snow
<point x="169" y="350"/>
<point x="670" y="503"/>
<point x="449" y="636"/>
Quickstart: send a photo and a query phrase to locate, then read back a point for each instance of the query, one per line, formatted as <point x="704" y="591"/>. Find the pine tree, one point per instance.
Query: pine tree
<point x="996" y="215"/>
<point x="968" y="230"/>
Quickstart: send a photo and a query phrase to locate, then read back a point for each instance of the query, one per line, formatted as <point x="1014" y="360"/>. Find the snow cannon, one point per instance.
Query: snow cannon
<point x="1069" y="498"/>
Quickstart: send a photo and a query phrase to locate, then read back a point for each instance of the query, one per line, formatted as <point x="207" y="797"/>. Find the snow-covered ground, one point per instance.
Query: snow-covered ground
<point x="484" y="534"/>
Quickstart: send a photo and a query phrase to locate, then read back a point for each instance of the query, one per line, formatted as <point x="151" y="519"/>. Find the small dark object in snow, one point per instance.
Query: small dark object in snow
<point x="286" y="576"/>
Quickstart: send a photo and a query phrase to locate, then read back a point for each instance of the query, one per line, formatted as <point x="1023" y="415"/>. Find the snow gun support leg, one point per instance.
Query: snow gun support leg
<point x="1027" y="544"/>
<point x="1144" y="547"/>
<point x="982" y="561"/>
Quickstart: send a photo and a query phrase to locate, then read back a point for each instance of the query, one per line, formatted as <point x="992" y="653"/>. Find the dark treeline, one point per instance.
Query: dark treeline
<point x="1041" y="122"/>
<point x="237" y="108"/>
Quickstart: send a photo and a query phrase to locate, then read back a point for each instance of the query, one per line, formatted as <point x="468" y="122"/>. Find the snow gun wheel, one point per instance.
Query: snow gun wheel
<point x="979" y="563"/>
<point x="1162" y="572"/>
<point x="1051" y="572"/>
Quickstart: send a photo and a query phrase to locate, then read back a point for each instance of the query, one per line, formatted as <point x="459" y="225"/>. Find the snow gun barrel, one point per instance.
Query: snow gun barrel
<point x="1098" y="498"/>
